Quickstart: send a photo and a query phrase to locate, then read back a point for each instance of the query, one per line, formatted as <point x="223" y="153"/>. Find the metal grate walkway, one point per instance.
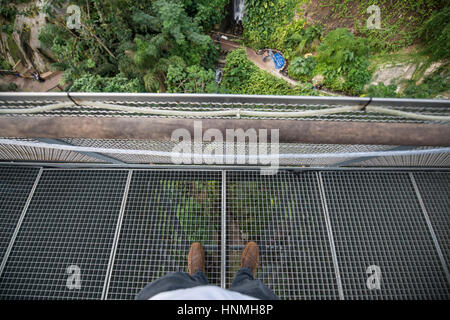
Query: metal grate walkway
<point x="321" y="233"/>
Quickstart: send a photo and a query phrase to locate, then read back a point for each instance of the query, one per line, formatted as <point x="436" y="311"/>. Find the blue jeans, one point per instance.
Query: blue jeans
<point x="243" y="283"/>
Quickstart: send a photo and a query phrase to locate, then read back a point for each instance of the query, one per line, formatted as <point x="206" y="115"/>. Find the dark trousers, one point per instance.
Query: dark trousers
<point x="243" y="283"/>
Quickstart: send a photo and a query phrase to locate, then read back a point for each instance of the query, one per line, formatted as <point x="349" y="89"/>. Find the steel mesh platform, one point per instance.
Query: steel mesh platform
<point x="15" y="187"/>
<point x="284" y="216"/>
<point x="435" y="191"/>
<point x="376" y="220"/>
<point x="165" y="213"/>
<point x="70" y="222"/>
<point x="318" y="231"/>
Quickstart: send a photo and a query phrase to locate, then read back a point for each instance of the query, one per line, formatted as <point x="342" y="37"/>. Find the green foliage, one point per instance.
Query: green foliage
<point x="237" y="71"/>
<point x="272" y="24"/>
<point x="207" y="13"/>
<point x="145" y="22"/>
<point x="71" y="57"/>
<point x="8" y="9"/>
<point x="299" y="43"/>
<point x="399" y="19"/>
<point x="382" y="91"/>
<point x="144" y="39"/>
<point x="302" y="68"/>
<point x="430" y="88"/>
<point x="435" y="34"/>
<point x="175" y="22"/>
<point x="12" y="86"/>
<point x="7" y="28"/>
<point x="192" y="79"/>
<point x="148" y="51"/>
<point x="263" y="83"/>
<point x="357" y="77"/>
<point x="96" y="83"/>
<point x="342" y="59"/>
<point x="152" y="83"/>
<point x="241" y="76"/>
<point x="433" y="85"/>
<point x="195" y="210"/>
<point x="340" y="47"/>
<point x="265" y="22"/>
<point x="4" y="65"/>
<point x="51" y="36"/>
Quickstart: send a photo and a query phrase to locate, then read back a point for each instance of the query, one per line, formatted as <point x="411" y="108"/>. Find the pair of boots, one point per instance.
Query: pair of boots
<point x="249" y="258"/>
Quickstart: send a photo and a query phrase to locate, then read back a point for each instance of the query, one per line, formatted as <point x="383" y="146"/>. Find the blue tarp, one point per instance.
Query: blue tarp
<point x="277" y="59"/>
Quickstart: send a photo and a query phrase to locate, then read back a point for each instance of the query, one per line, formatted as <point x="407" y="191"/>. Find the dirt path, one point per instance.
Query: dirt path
<point x="30" y="85"/>
<point x="267" y="65"/>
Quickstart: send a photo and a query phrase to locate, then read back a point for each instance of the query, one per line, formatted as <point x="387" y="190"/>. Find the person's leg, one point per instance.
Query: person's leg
<point x="180" y="280"/>
<point x="244" y="283"/>
<point x="172" y="281"/>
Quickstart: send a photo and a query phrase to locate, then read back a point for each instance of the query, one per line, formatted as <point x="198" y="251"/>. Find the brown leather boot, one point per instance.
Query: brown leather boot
<point x="196" y="258"/>
<point x="250" y="257"/>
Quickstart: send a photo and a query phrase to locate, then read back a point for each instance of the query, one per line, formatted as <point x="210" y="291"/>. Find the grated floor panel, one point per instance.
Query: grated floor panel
<point x="15" y="186"/>
<point x="284" y="216"/>
<point x="377" y="222"/>
<point x="434" y="188"/>
<point x="68" y="230"/>
<point x="166" y="211"/>
<point x="319" y="232"/>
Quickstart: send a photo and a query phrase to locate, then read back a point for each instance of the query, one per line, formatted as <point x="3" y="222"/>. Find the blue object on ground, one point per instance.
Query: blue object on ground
<point x="277" y="59"/>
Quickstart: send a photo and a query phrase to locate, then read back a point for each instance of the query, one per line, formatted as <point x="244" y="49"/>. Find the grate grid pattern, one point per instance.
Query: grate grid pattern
<point x="434" y="188"/>
<point x="70" y="223"/>
<point x="377" y="221"/>
<point x="375" y="218"/>
<point x="15" y="186"/>
<point x="166" y="211"/>
<point x="283" y="215"/>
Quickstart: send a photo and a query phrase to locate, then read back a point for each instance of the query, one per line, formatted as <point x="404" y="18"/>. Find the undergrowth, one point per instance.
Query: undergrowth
<point x="400" y="20"/>
<point x="241" y="76"/>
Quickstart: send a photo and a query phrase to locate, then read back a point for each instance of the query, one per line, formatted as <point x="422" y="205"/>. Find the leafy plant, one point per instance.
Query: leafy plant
<point x="342" y="59"/>
<point x="302" y="68"/>
<point x="430" y="88"/>
<point x="237" y="71"/>
<point x="382" y="91"/>
<point x="192" y="79"/>
<point x="159" y="33"/>
<point x="241" y="76"/>
<point x="400" y="20"/>
<point x="96" y="83"/>
<point x="8" y="9"/>
<point x="207" y="13"/>
<point x="265" y="22"/>
<point x="4" y="65"/>
<point x="263" y="83"/>
<point x="341" y="48"/>
<point x="435" y="34"/>
<point x="299" y="43"/>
